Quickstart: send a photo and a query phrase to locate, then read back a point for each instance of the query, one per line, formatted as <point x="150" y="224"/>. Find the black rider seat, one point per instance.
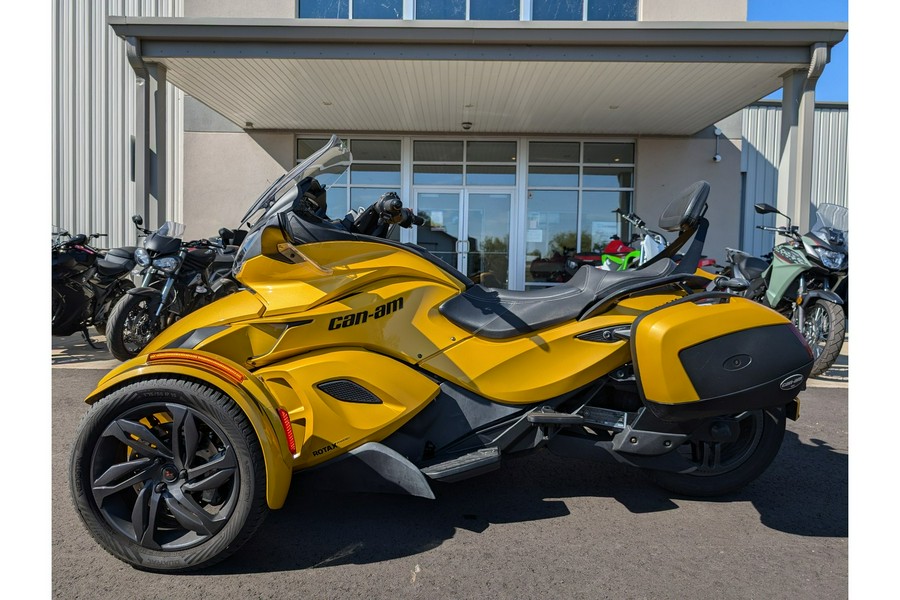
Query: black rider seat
<point x="751" y="266"/>
<point x="501" y="314"/>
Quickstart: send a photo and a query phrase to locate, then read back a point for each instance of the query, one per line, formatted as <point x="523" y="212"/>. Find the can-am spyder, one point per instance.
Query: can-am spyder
<point x="374" y="365"/>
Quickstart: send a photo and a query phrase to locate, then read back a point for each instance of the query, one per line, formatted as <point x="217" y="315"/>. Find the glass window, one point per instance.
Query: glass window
<point x="550" y="234"/>
<point x="324" y="9"/>
<point x="306" y="146"/>
<point x="440" y="9"/>
<point x="437" y="175"/>
<point x="557" y="10"/>
<point x="612" y="10"/>
<point x="491" y="152"/>
<point x="369" y="174"/>
<point x="380" y="150"/>
<point x="490" y="175"/>
<point x="609" y="153"/>
<point x="377" y="9"/>
<point x="607" y="177"/>
<point x="598" y="221"/>
<point x="540" y="176"/>
<point x="437" y="151"/>
<point x="493" y="10"/>
<point x="554" y="152"/>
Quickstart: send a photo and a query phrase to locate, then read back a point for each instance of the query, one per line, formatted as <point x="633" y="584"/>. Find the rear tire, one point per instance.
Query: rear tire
<point x="740" y="462"/>
<point x="168" y="475"/>
<point x="130" y="326"/>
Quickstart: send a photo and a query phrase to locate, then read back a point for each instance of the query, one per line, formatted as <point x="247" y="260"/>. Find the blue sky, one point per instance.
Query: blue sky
<point x="833" y="83"/>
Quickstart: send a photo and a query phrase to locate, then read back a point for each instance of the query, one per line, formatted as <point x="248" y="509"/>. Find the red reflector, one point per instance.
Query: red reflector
<point x="288" y="430"/>
<point x="189" y="357"/>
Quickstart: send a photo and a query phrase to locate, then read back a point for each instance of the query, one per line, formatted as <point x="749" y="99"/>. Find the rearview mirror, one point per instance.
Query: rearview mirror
<point x="137" y="220"/>
<point x="762" y="208"/>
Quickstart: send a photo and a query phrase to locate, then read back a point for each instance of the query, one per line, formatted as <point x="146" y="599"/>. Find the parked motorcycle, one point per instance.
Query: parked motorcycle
<point x="86" y="283"/>
<point x="799" y="279"/>
<point x="374" y="365"/>
<point x="177" y="278"/>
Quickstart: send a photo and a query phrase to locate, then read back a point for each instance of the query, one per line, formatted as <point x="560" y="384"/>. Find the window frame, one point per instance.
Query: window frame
<point x="526" y="11"/>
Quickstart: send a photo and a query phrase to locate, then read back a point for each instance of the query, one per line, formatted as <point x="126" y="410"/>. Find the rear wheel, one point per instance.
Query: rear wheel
<point x="131" y="326"/>
<point x="168" y="475"/>
<point x="724" y="467"/>
<point x="823" y="327"/>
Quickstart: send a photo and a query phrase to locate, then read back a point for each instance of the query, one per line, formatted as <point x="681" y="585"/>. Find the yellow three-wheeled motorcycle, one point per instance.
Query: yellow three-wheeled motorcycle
<point x="374" y="365"/>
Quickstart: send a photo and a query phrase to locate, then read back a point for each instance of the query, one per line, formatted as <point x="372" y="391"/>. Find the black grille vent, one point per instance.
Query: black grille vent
<point x="347" y="391"/>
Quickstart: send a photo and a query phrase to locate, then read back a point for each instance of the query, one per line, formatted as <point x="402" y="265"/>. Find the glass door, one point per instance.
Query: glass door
<point x="470" y="229"/>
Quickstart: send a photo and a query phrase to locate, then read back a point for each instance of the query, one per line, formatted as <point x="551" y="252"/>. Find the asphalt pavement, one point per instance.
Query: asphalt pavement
<point x="540" y="527"/>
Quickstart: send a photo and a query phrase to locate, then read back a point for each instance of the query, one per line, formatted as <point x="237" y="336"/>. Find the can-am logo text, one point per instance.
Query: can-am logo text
<point x="791" y="382"/>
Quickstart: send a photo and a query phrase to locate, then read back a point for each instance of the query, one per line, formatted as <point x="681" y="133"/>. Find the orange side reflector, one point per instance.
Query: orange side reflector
<point x="226" y="371"/>
<point x="288" y="430"/>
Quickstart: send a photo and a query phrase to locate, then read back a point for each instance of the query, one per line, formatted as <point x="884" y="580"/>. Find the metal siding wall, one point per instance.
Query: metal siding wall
<point x="759" y="160"/>
<point x="93" y="120"/>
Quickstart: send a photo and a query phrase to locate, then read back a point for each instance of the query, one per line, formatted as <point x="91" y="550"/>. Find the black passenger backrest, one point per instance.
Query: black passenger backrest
<point x="684" y="212"/>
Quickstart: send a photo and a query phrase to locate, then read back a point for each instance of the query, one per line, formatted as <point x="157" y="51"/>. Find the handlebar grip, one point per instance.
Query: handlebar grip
<point x="417" y="220"/>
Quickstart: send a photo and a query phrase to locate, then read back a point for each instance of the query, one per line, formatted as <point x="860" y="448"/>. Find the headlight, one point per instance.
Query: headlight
<point x="142" y="257"/>
<point x="167" y="264"/>
<point x="572" y="264"/>
<point x="830" y="258"/>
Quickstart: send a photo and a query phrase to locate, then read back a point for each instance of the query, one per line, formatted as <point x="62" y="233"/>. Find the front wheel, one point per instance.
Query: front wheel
<point x="131" y="326"/>
<point x="725" y="467"/>
<point x="823" y="327"/>
<point x="168" y="475"/>
<point x="121" y="289"/>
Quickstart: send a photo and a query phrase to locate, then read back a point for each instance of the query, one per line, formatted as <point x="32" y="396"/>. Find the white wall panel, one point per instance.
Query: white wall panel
<point x="93" y="120"/>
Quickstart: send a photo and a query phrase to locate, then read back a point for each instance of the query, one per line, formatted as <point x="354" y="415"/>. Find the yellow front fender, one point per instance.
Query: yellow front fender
<point x="245" y="390"/>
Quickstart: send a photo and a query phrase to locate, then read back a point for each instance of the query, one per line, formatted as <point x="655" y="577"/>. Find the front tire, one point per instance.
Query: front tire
<point x="131" y="326"/>
<point x="723" y="468"/>
<point x="168" y="475"/>
<point x="824" y="326"/>
<point x="121" y="290"/>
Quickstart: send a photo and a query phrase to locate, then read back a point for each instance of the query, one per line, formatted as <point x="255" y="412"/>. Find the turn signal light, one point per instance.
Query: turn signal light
<point x="226" y="371"/>
<point x="288" y="430"/>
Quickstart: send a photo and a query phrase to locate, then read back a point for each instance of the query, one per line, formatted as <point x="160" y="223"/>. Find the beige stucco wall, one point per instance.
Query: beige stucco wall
<point x="693" y="10"/>
<point x="666" y="166"/>
<point x="225" y="172"/>
<point x="241" y="8"/>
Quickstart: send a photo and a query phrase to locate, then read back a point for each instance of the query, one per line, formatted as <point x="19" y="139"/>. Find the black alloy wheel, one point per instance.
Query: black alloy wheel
<point x="168" y="475"/>
<point x="131" y="325"/>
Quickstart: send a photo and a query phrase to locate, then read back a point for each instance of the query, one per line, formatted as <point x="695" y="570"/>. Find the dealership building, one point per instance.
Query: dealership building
<point x="515" y="126"/>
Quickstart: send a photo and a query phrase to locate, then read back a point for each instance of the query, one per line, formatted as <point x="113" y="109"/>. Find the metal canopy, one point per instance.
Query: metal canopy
<point x="636" y="78"/>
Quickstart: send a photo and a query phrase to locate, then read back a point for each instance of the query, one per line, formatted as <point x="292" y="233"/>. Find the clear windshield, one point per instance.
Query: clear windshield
<point x="332" y="158"/>
<point x="831" y="216"/>
<point x="171" y="229"/>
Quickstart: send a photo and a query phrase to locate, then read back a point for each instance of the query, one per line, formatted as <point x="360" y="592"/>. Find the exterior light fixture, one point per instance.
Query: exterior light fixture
<point x="717" y="157"/>
<point x="467" y="125"/>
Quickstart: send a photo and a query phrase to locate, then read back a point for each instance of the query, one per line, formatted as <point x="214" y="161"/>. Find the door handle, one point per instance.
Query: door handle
<point x="462" y="246"/>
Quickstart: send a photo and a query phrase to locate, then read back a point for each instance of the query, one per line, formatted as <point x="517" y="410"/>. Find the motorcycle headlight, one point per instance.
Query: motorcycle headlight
<point x="142" y="257"/>
<point x="830" y="258"/>
<point x="167" y="264"/>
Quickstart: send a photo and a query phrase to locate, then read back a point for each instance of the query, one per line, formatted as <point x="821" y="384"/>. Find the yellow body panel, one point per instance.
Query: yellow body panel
<point x="250" y="395"/>
<point x="325" y="426"/>
<point x="660" y="336"/>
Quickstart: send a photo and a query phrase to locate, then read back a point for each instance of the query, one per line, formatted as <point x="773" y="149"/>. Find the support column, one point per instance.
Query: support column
<point x="141" y="127"/>
<point x="798" y="106"/>
<point x="156" y="145"/>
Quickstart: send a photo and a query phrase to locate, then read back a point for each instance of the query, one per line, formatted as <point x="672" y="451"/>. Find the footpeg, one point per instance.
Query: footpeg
<point x="467" y="465"/>
<point x="547" y="416"/>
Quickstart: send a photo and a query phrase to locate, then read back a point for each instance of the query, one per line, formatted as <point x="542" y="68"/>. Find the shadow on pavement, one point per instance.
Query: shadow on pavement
<point x="804" y="492"/>
<point x="74" y="349"/>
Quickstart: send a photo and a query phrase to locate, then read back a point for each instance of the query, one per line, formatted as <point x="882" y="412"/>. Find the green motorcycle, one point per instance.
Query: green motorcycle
<point x="800" y="278"/>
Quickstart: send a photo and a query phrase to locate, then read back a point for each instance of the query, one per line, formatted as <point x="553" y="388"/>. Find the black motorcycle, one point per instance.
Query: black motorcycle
<point x="86" y="283"/>
<point x="177" y="278"/>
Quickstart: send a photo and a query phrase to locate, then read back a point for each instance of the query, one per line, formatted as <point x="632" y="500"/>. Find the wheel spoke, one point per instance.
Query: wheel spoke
<point x="226" y="461"/>
<point x="102" y="490"/>
<point x="210" y="483"/>
<point x="116" y="471"/>
<point x="191" y="515"/>
<point x="146" y="443"/>
<point x="184" y="425"/>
